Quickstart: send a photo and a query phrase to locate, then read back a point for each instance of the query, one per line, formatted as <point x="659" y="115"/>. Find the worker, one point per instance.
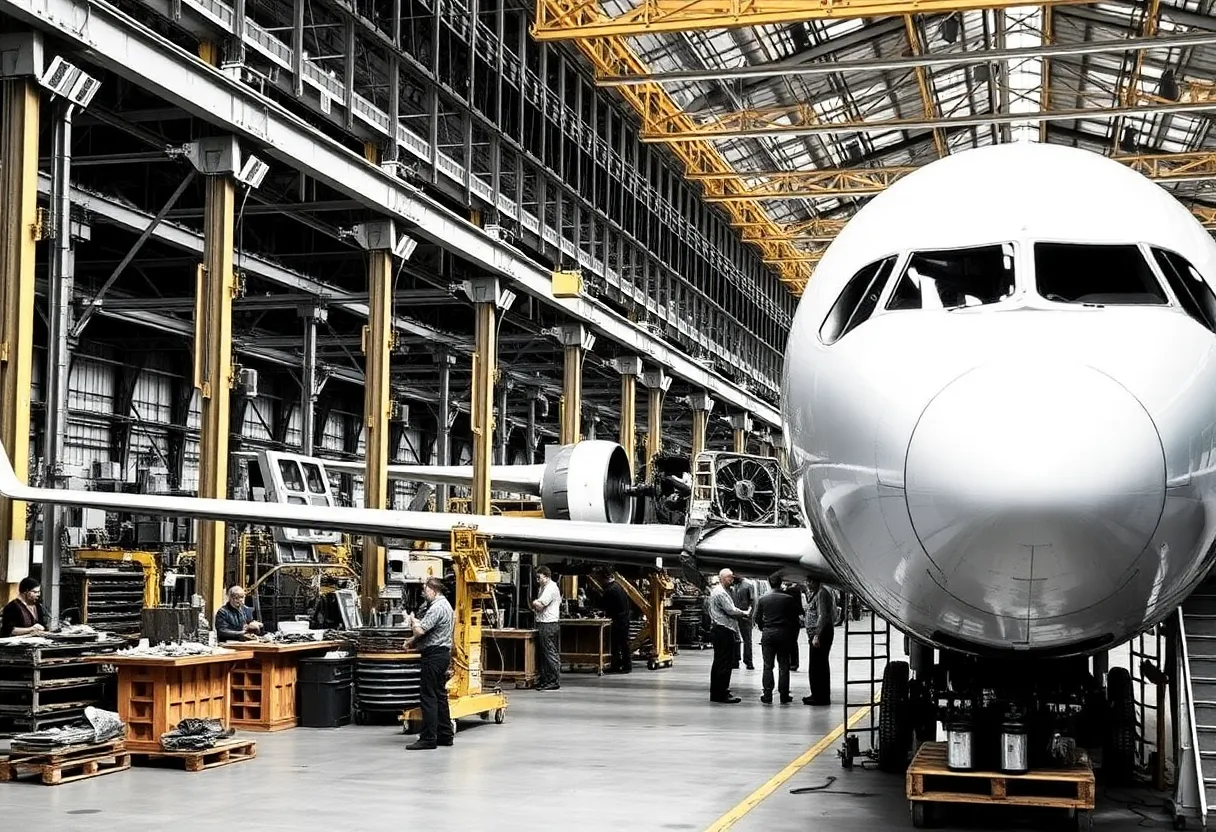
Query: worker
<point x="820" y="628"/>
<point x="24" y="615"/>
<point x="725" y="638"/>
<point x="547" y="607"/>
<point x="777" y="620"/>
<point x="616" y="604"/>
<point x="433" y="639"/>
<point x="743" y="594"/>
<point x="795" y="591"/>
<point x="234" y="621"/>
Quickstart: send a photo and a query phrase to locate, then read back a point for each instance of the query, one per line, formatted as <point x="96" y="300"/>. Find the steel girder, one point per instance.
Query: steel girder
<point x="132" y="51"/>
<point x="581" y="19"/>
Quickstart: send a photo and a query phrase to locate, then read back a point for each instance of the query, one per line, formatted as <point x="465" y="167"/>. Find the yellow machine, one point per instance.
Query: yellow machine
<point x="475" y="580"/>
<point x="661" y="588"/>
<point x="146" y="560"/>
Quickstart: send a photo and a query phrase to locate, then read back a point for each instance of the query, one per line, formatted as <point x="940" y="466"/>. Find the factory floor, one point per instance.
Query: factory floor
<point x="646" y="751"/>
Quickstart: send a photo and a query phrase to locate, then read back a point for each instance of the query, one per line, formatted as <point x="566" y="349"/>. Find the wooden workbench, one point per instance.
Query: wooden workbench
<point x="508" y="655"/>
<point x="264" y="684"/>
<point x="155" y="694"/>
<point x="584" y="643"/>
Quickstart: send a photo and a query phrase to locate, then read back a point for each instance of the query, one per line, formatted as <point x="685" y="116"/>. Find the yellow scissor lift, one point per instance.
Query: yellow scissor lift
<point x="475" y="581"/>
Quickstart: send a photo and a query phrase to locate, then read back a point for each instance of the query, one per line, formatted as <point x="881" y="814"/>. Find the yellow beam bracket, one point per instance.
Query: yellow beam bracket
<point x="18" y="234"/>
<point x="579" y="19"/>
<point x="213" y="377"/>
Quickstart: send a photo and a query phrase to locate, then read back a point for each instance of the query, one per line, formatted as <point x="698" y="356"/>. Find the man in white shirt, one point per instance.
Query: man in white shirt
<point x="548" y="605"/>
<point x="725" y="617"/>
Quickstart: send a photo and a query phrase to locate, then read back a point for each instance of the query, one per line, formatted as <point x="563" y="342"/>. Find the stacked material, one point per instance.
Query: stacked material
<point x="176" y="650"/>
<point x="383" y="639"/>
<point x="98" y="726"/>
<point x="195" y="735"/>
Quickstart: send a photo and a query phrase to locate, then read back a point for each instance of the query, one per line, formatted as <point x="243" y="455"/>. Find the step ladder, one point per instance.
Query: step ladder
<point x="867" y="649"/>
<point x="1195" y="706"/>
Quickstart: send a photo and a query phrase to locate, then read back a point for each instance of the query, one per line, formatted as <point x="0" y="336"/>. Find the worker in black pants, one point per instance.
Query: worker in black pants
<point x="777" y="621"/>
<point x="820" y="628"/>
<point x="725" y="637"/>
<point x="616" y="606"/>
<point x="433" y="639"/>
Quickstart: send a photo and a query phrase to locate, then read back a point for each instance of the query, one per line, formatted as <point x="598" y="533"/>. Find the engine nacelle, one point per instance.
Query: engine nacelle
<point x="588" y="481"/>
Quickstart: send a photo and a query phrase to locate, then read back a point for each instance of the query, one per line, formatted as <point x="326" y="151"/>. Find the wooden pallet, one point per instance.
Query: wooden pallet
<point x="930" y="780"/>
<point x="223" y="754"/>
<point x="66" y="765"/>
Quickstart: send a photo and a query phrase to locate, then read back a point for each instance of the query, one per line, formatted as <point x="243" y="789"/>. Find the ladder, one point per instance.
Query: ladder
<point x="1195" y="731"/>
<point x="867" y="649"/>
<point x="1146" y="663"/>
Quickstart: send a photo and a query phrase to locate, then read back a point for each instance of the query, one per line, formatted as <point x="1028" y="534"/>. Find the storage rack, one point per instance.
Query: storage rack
<point x="109" y="600"/>
<point x="45" y="687"/>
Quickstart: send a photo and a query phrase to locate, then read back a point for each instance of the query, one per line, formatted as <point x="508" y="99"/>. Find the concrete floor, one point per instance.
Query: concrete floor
<point x="639" y="752"/>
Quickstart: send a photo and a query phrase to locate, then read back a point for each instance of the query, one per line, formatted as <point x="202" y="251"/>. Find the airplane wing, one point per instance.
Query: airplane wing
<point x="750" y="551"/>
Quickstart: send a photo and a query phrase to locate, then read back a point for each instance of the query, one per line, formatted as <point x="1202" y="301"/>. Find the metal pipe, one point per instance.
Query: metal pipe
<point x="531" y="438"/>
<point x="308" y="395"/>
<point x="58" y="356"/>
<point x="444" y="443"/>
<point x="503" y="430"/>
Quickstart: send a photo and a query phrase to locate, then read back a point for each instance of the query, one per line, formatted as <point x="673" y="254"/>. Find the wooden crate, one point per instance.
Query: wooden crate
<point x="930" y="781"/>
<point x="155" y="694"/>
<point x="264" y="685"/>
<point x="68" y="764"/>
<point x="225" y="753"/>
<point x="508" y="656"/>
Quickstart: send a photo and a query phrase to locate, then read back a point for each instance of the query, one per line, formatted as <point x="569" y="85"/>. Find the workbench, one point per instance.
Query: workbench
<point x="155" y="694"/>
<point x="509" y="655"/>
<point x="264" y="683"/>
<point x="583" y="643"/>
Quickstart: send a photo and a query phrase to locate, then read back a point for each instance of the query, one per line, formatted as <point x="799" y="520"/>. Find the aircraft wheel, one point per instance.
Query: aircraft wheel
<point x="1119" y="753"/>
<point x="894" y="722"/>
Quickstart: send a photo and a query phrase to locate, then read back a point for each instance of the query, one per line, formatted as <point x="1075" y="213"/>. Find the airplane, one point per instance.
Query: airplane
<point x="999" y="399"/>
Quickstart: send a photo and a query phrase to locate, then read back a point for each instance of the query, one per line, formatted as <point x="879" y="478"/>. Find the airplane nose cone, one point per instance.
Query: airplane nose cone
<point x="1034" y="489"/>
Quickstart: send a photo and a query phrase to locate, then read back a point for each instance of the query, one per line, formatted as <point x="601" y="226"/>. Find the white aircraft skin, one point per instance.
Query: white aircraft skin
<point x="1025" y="476"/>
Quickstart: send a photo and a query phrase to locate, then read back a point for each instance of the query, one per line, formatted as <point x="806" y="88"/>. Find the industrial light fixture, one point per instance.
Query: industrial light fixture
<point x="70" y="81"/>
<point x="505" y="299"/>
<point x="1167" y="87"/>
<point x="252" y="172"/>
<point x="949" y="29"/>
<point x="404" y="247"/>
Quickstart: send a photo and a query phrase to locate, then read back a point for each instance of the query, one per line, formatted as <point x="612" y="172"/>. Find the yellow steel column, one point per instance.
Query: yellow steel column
<point x="656" y="382"/>
<point x="702" y="405"/>
<point x="742" y="424"/>
<point x="630" y="367"/>
<point x="19" y="230"/>
<point x="215" y="289"/>
<point x="377" y="347"/>
<point x="484" y="293"/>
<point x="575" y="339"/>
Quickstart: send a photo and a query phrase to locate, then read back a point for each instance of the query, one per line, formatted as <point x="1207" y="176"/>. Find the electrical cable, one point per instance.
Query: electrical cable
<point x="823" y="789"/>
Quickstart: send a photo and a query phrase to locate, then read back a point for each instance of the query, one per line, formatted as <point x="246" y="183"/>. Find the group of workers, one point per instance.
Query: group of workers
<point x="779" y="615"/>
<point x="733" y="610"/>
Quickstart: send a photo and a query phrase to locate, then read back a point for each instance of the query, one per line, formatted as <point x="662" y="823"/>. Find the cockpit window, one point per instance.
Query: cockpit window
<point x="857" y="301"/>
<point x="955" y="278"/>
<point x="1193" y="291"/>
<point x="1108" y="275"/>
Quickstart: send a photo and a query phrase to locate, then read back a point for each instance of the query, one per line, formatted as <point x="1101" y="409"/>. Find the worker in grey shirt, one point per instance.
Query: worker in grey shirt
<point x="548" y="606"/>
<point x="820" y="628"/>
<point x="433" y="639"/>
<point x="724" y="635"/>
<point x="743" y="594"/>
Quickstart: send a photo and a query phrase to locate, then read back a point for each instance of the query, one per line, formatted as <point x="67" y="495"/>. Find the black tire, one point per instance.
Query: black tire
<point x="920" y="814"/>
<point x="1119" y="748"/>
<point x="894" y="725"/>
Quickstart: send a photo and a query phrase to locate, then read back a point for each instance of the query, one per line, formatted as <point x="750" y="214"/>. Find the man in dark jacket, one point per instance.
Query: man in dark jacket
<point x="820" y="629"/>
<point x="616" y="605"/>
<point x="24" y="615"/>
<point x="234" y="621"/>
<point x="777" y="620"/>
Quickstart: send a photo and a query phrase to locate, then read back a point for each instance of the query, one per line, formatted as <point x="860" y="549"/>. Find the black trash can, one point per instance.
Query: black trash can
<point x="324" y="690"/>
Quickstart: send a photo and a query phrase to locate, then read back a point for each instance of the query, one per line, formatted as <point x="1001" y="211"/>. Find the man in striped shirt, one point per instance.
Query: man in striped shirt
<point x="433" y="639"/>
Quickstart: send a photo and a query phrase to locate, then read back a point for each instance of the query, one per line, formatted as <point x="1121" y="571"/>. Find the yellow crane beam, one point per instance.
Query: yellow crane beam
<point x="615" y="56"/>
<point x="582" y="19"/>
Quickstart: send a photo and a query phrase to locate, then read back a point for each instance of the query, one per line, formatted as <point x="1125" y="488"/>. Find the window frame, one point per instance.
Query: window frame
<point x="889" y="262"/>
<point x="905" y="257"/>
<point x="1151" y="253"/>
<point x="1141" y="246"/>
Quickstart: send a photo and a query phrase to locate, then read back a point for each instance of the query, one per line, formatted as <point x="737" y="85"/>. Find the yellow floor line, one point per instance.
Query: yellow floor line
<point x="755" y="798"/>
